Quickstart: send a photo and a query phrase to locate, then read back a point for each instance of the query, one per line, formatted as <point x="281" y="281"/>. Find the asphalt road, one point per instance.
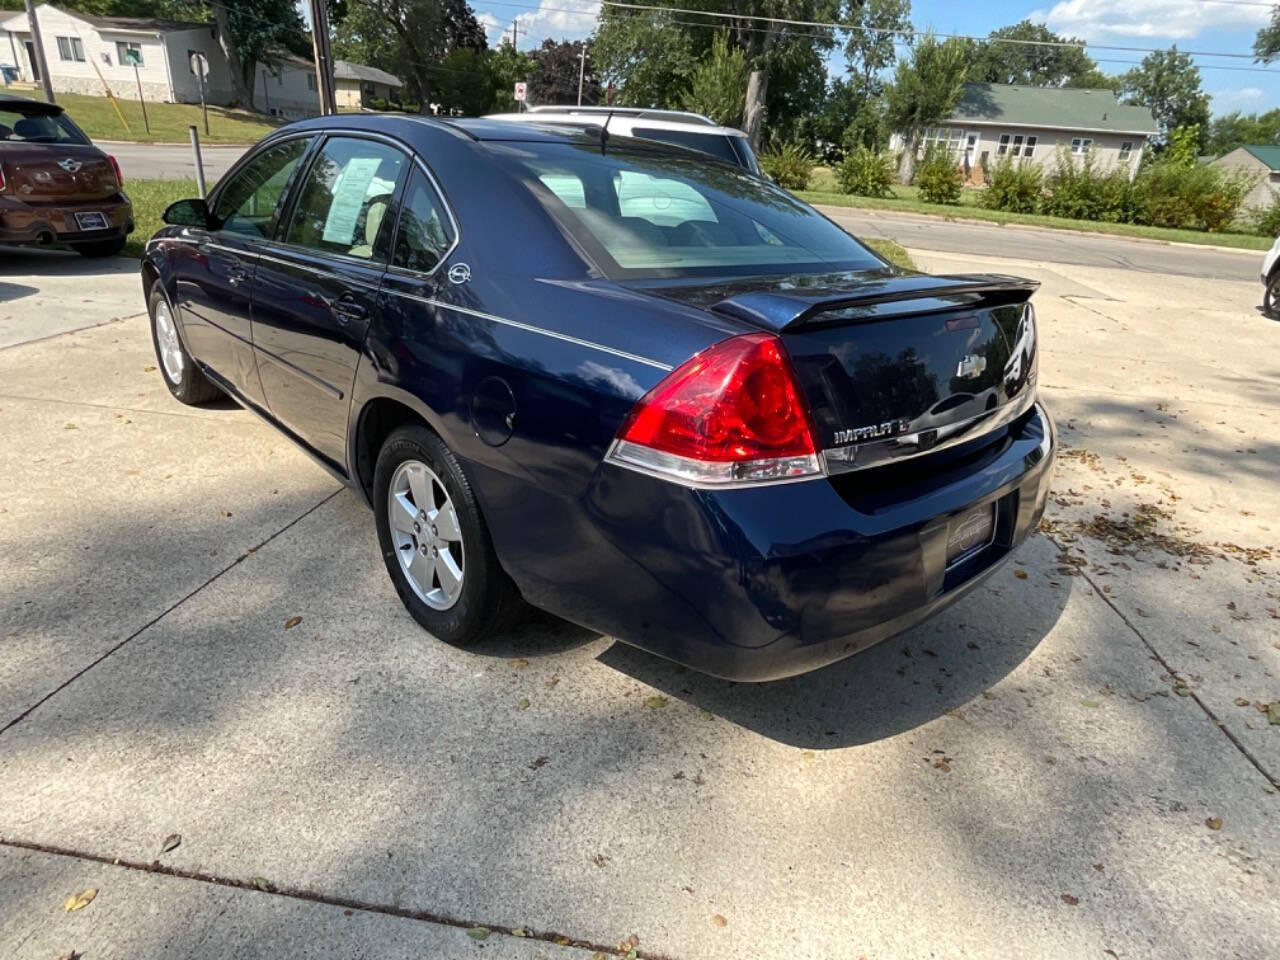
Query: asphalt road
<point x="1050" y="246"/>
<point x="157" y="161"/>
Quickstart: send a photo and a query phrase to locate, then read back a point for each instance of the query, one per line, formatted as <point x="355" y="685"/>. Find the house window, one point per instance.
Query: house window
<point x="280" y="77"/>
<point x="1126" y="151"/>
<point x="128" y="53"/>
<point x="1016" y="148"/>
<point x="1003" y="146"/>
<point x="70" y="49"/>
<point x="1030" y="148"/>
<point x="1081" y="144"/>
<point x="311" y="81"/>
<point x="949" y="137"/>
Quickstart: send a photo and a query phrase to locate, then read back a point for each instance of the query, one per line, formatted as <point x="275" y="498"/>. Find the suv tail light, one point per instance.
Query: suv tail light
<point x="1" y="176"/>
<point x="115" y="167"/>
<point x="731" y="415"/>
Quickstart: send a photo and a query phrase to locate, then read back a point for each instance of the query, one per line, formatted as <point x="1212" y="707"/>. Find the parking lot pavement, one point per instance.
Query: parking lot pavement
<point x="47" y="292"/>
<point x="1035" y="773"/>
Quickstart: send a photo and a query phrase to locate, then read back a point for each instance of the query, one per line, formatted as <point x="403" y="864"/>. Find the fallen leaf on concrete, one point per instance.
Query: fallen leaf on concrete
<point x="524" y="703"/>
<point x="70" y="955"/>
<point x="598" y="956"/>
<point x="808" y="755"/>
<point x="600" y="860"/>
<point x="1090" y="703"/>
<point x="1273" y="713"/>
<point x="292" y="622"/>
<point x="518" y="664"/>
<point x="1069" y="900"/>
<point x="260" y="883"/>
<point x="80" y="900"/>
<point x="562" y="941"/>
<point x="69" y="426"/>
<point x="707" y="714"/>
<point x="519" y="932"/>
<point x="656" y="702"/>
<point x="1214" y="823"/>
<point x="1242" y="701"/>
<point x="538" y="762"/>
<point x="630" y="943"/>
<point x="150" y="368"/>
<point x="942" y="764"/>
<point x="719" y="921"/>
<point x="1020" y="574"/>
<point x="170" y="842"/>
<point x="478" y="933"/>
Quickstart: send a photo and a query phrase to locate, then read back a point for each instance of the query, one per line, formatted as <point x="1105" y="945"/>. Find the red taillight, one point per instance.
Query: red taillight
<point x="1" y="176"/>
<point x="115" y="167"/>
<point x="732" y="414"/>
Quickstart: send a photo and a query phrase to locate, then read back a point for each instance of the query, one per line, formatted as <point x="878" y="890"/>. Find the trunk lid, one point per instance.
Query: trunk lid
<point x="893" y="365"/>
<point x="57" y="172"/>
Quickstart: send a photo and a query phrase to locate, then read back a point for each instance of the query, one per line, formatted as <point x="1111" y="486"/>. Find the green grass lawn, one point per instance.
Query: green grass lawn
<point x="893" y="252"/>
<point x="169" y="121"/>
<point x="823" y="189"/>
<point x="150" y="197"/>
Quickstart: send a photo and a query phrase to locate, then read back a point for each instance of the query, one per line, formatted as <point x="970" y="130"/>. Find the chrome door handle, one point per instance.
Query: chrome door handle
<point x="347" y="310"/>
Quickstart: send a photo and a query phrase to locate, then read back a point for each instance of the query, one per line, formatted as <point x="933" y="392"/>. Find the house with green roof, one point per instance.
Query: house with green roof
<point x="1026" y="123"/>
<point x="1260" y="160"/>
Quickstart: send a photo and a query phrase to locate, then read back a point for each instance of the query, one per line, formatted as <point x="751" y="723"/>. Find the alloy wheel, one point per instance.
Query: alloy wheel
<point x="170" y="346"/>
<point x="426" y="535"/>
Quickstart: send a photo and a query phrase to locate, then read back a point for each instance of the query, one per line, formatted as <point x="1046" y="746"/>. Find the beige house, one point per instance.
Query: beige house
<point x="1261" y="161"/>
<point x="355" y="85"/>
<point x="993" y="120"/>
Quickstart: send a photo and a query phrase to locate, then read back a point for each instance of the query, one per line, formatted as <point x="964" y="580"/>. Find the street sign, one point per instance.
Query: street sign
<point x="521" y="89"/>
<point x="199" y="65"/>
<point x="131" y="58"/>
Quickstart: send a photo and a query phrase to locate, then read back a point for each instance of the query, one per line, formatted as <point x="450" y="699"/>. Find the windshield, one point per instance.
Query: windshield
<point x="641" y="213"/>
<point x="37" y="128"/>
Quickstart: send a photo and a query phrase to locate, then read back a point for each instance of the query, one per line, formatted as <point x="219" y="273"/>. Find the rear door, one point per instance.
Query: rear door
<point x="315" y="289"/>
<point x="214" y="269"/>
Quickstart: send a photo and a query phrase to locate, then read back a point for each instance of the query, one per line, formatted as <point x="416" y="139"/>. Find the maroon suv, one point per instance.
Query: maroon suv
<point x="55" y="185"/>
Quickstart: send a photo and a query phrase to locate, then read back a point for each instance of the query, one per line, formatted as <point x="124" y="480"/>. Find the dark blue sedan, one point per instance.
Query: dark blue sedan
<point x="644" y="390"/>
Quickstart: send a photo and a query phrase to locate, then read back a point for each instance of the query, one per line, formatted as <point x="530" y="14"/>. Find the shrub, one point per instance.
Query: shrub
<point x="867" y="173"/>
<point x="1266" y="220"/>
<point x="789" y="165"/>
<point x="1173" y="193"/>
<point x="1083" y="191"/>
<point x="1015" y="187"/>
<point x="938" y="176"/>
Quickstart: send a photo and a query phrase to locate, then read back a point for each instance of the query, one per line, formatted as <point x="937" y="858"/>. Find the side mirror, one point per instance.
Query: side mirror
<point x="187" y="213"/>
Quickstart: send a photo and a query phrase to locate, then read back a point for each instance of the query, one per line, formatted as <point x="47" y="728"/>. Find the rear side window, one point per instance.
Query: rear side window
<point x="22" y="127"/>
<point x="716" y="144"/>
<point x="425" y="234"/>
<point x="250" y="202"/>
<point x="345" y="196"/>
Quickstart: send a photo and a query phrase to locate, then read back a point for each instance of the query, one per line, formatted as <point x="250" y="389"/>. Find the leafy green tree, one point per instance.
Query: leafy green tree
<point x="646" y="56"/>
<point x="554" y="78"/>
<point x="508" y="67"/>
<point x="1036" y="62"/>
<point x="924" y="90"/>
<point x="1168" y="84"/>
<point x="718" y="85"/>
<point x="876" y="26"/>
<point x="464" y="83"/>
<point x="1266" y="47"/>
<point x="251" y="32"/>
<point x="1232" y="130"/>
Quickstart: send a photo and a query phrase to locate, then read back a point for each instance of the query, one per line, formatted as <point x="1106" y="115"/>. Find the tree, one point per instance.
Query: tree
<point x="509" y="66"/>
<point x="1168" y="84"/>
<point x="646" y="55"/>
<point x="554" y="77"/>
<point x="1235" y="129"/>
<point x="924" y="90"/>
<point x="718" y="85"/>
<point x="876" y="26"/>
<point x="464" y="83"/>
<point x="1267" y="45"/>
<point x="1036" y="62"/>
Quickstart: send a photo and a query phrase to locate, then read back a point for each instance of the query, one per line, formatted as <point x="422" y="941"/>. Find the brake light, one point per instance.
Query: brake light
<point x="733" y="414"/>
<point x="1" y="176"/>
<point x="115" y="167"/>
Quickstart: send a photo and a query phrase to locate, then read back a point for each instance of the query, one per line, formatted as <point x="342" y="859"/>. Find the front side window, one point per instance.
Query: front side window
<point x="70" y="49"/>
<point x="128" y="54"/>
<point x="345" y="196"/>
<point x="251" y="201"/>
<point x="641" y="212"/>
<point x="424" y="235"/>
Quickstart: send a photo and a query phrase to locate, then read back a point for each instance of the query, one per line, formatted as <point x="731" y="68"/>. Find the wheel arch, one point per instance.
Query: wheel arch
<point x="378" y="415"/>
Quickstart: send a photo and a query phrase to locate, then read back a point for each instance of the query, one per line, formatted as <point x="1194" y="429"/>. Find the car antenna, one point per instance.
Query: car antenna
<point x="604" y="131"/>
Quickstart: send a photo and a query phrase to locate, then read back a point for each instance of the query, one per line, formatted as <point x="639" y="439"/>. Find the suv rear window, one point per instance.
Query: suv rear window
<point x="37" y="127"/>
<point x="716" y="144"/>
<point x="660" y="213"/>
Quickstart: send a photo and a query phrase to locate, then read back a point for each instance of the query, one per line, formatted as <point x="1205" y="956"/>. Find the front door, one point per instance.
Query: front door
<point x="970" y="151"/>
<point x="35" y="63"/>
<point x="214" y="273"/>
<point x="315" y="291"/>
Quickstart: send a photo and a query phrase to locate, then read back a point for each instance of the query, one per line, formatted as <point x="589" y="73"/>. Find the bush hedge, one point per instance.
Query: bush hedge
<point x="867" y="173"/>
<point x="1016" y="187"/>
<point x="937" y="176"/>
<point x="790" y="165"/>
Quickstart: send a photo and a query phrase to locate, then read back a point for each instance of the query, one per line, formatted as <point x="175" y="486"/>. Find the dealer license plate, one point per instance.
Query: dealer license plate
<point x="970" y="531"/>
<point x="92" y="221"/>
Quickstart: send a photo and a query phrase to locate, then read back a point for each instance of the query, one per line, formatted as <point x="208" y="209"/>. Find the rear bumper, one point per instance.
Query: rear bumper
<point x="767" y="582"/>
<point x="24" y="223"/>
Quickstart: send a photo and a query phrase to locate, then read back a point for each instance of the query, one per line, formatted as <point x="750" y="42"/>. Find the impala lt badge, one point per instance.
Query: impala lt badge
<point x="890" y="428"/>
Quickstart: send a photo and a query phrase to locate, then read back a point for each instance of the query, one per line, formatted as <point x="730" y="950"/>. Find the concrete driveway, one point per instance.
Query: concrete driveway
<point x="1070" y="763"/>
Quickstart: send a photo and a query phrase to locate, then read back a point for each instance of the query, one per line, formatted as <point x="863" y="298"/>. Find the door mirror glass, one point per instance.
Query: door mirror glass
<point x="250" y="203"/>
<point x="344" y="198"/>
<point x="187" y="213"/>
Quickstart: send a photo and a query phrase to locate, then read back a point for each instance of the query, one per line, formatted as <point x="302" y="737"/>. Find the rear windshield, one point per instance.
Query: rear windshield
<point x="16" y="126"/>
<point x="641" y="213"/>
<point x="717" y="144"/>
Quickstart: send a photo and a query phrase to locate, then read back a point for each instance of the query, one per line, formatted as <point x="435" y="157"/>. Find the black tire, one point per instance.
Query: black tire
<point x="191" y="387"/>
<point x="100" y="248"/>
<point x="488" y="601"/>
<point x="1271" y="296"/>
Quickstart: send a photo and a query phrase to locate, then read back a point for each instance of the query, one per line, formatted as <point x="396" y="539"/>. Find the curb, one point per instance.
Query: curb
<point x="876" y="212"/>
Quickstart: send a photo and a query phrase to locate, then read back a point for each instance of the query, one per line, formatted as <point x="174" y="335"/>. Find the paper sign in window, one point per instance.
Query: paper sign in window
<point x="349" y="194"/>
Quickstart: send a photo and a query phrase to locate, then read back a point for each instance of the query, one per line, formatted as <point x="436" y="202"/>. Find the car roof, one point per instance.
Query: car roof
<point x="682" y="116"/>
<point x="29" y="105"/>
<point x="617" y="124"/>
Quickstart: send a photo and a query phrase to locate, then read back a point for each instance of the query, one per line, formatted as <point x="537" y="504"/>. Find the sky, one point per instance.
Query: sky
<point x="1212" y="26"/>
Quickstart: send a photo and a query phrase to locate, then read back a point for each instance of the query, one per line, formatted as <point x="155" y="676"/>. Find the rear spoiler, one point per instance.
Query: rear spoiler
<point x="875" y="300"/>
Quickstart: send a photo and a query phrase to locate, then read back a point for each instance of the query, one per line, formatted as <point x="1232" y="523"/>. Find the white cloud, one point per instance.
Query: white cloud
<point x="554" y="19"/>
<point x="1165" y="19"/>
<point x="1238" y="96"/>
<point x="492" y="28"/>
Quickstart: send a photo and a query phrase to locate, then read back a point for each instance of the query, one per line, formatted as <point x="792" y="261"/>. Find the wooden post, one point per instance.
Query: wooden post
<point x="37" y="47"/>
<point x="141" y="100"/>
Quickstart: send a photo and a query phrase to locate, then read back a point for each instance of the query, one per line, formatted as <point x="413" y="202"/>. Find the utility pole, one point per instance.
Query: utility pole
<point x="515" y="26"/>
<point x="37" y="48"/>
<point x="323" y="56"/>
<point x="582" y="67"/>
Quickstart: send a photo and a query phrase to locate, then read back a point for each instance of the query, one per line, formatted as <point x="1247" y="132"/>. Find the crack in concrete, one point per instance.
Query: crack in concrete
<point x="164" y="613"/>
<point x="310" y="896"/>
<point x="1208" y="712"/>
<point x="24" y="398"/>
<point x="64" y="333"/>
